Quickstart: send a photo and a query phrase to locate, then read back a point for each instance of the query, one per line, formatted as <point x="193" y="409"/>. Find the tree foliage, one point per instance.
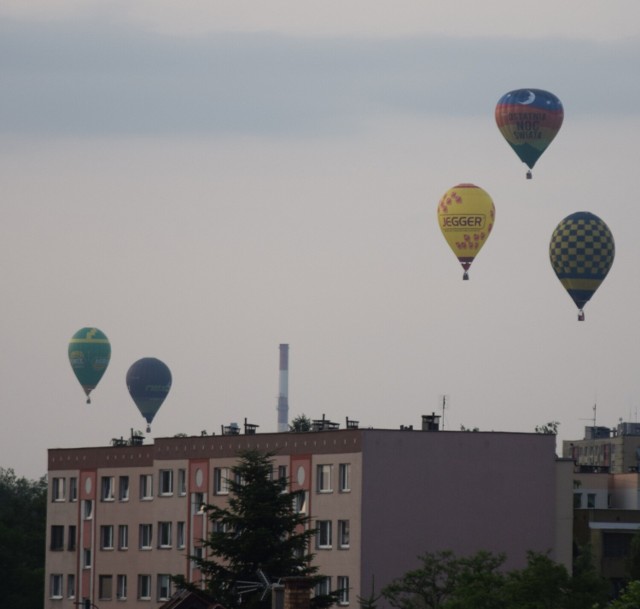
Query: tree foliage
<point x="630" y="597"/>
<point x="444" y="581"/>
<point x="23" y="515"/>
<point x="300" y="423"/>
<point x="258" y="529"/>
<point x="548" y="428"/>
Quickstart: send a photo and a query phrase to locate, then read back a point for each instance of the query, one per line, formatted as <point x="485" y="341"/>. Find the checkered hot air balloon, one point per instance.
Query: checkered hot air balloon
<point x="581" y="254"/>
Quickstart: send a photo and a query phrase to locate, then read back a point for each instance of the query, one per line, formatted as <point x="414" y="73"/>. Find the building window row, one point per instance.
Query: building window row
<point x="323" y="587"/>
<point x="105" y="587"/>
<point x="56" y="582"/>
<point x="59" y="489"/>
<point x="163" y="587"/>
<point x="324" y="534"/>
<point x="165" y="532"/>
<point x="57" y="537"/>
<point x="324" y="478"/>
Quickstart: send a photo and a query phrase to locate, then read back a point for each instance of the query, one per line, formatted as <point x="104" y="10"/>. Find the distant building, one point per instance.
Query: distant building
<point x="615" y="451"/>
<point x="122" y="519"/>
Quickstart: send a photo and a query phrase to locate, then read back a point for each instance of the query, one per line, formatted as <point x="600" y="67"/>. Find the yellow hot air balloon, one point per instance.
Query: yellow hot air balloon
<point x="466" y="215"/>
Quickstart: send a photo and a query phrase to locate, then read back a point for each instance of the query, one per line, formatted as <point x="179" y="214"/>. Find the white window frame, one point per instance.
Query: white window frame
<point x="86" y="558"/>
<point x="73" y="489"/>
<point x="164" y="586"/>
<point x="106" y="537"/>
<point x="343" y="590"/>
<point x="323" y="480"/>
<point x="344" y="476"/>
<point x="344" y="533"/>
<point x="107" y="488"/>
<point x="71" y="585"/>
<point x="57" y="489"/>
<point x="323" y="586"/>
<point x="182" y="482"/>
<point x="300" y="502"/>
<point x="146" y="536"/>
<point x="164" y="534"/>
<point x="221" y="480"/>
<point x="180" y="534"/>
<point x="123" y="488"/>
<point x="165" y="482"/>
<point x="123" y="537"/>
<point x="105" y="587"/>
<point x="55" y="585"/>
<point x="324" y="534"/>
<point x="146" y="487"/>
<point x="58" y="537"/>
<point x="121" y="587"/>
<point x="144" y="587"/>
<point x="87" y="509"/>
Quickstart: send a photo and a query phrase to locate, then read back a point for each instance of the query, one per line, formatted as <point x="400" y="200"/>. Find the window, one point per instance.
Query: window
<point x="182" y="482"/>
<point x="345" y="477"/>
<point x="577" y="500"/>
<point x="166" y="482"/>
<point x="146" y="486"/>
<point x="71" y="537"/>
<point x="343" y="590"/>
<point x="121" y="587"/>
<point x="105" y="585"/>
<point x="300" y="502"/>
<point x="591" y="500"/>
<point x="282" y="472"/>
<point x="197" y="503"/>
<point x="164" y="587"/>
<point x="146" y="531"/>
<point x="324" y="478"/>
<point x="57" y="489"/>
<point x="323" y="586"/>
<point x="107" y="489"/>
<point x="323" y="536"/>
<point x="86" y="558"/>
<point x="123" y="536"/>
<point x="57" y="537"/>
<point x="123" y="488"/>
<point x="144" y="586"/>
<point x="55" y="585"/>
<point x="221" y="480"/>
<point x="106" y="537"/>
<point x="164" y="534"/>
<point x="87" y="509"/>
<point x="71" y="586"/>
<point x="343" y="533"/>
<point x="73" y="489"/>
<point x="180" y="534"/>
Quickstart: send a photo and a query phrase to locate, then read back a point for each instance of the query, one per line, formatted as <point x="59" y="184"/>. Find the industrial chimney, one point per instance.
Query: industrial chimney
<point x="283" y="394"/>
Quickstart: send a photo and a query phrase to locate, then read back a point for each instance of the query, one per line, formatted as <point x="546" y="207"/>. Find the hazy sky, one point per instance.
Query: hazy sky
<point x="206" y="180"/>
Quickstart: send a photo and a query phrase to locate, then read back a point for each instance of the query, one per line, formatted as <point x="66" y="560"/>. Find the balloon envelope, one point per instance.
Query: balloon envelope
<point x="466" y="215"/>
<point x="581" y="254"/>
<point x="89" y="355"/>
<point x="149" y="382"/>
<point x="529" y="119"/>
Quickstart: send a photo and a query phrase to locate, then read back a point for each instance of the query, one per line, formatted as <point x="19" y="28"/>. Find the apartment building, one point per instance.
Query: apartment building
<point x="123" y="518"/>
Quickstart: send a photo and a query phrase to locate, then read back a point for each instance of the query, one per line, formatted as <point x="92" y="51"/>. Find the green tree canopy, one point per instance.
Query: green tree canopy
<point x="23" y="516"/>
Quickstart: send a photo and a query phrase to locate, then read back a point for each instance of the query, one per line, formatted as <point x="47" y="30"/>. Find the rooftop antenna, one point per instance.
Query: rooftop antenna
<point x="444" y="401"/>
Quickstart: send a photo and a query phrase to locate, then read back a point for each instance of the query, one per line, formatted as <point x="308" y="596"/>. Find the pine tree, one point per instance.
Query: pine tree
<point x="259" y="530"/>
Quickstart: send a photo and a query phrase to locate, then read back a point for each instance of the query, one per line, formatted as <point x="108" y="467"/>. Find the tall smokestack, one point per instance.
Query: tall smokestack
<point x="283" y="394"/>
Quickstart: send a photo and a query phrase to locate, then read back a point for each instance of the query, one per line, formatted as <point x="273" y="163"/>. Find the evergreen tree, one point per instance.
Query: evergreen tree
<point x="258" y="530"/>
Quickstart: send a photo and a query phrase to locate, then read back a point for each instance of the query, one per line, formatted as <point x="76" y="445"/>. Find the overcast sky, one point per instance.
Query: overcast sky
<point x="204" y="181"/>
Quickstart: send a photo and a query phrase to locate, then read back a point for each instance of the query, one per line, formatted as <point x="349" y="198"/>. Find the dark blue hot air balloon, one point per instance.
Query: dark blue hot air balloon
<point x="149" y="382"/>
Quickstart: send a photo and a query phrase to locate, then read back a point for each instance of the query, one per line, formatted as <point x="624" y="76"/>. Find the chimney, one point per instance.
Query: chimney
<point x="283" y="394"/>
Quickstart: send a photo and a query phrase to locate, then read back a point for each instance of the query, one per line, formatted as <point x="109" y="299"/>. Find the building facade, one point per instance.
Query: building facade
<point x="123" y="519"/>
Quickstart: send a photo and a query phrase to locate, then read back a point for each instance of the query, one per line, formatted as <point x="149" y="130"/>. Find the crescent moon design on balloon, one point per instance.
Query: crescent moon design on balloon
<point x="529" y="100"/>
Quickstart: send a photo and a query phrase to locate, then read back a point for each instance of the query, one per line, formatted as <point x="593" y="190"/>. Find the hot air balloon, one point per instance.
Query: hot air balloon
<point x="89" y="355"/>
<point x="581" y="253"/>
<point x="466" y="214"/>
<point x="529" y="119"/>
<point x="149" y="382"/>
